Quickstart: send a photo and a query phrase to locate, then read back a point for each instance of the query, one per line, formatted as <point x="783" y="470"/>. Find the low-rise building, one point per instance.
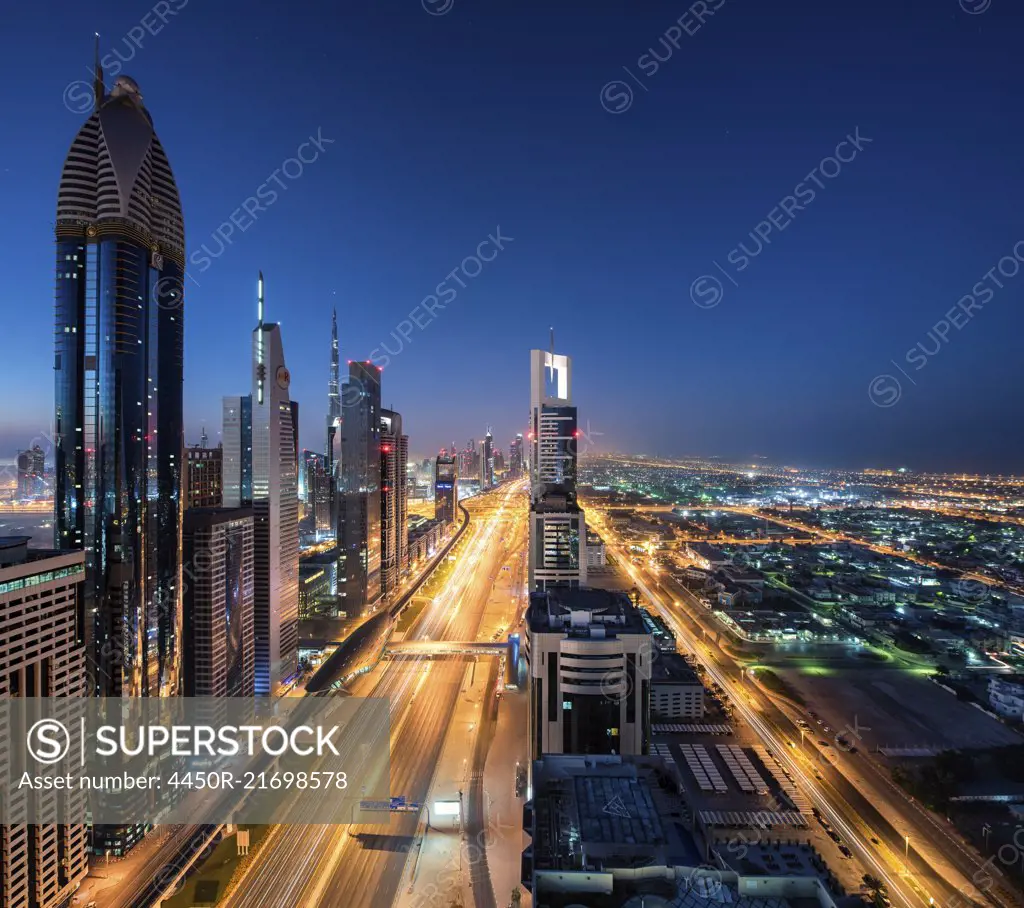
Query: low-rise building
<point x="1006" y="695"/>
<point x="607" y="832"/>
<point x="676" y="691"/>
<point x="706" y="556"/>
<point x="596" y="556"/>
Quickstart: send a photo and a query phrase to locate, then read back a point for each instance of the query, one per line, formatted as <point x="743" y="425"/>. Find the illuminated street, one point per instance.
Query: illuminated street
<point x="949" y="865"/>
<point x="362" y="865"/>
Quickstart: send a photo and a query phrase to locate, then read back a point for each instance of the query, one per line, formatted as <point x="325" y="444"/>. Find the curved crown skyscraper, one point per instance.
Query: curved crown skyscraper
<point x="118" y="402"/>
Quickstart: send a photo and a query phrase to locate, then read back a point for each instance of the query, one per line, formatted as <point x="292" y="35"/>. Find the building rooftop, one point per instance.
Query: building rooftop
<point x="596" y="813"/>
<point x="672" y="667"/>
<point x="584" y="611"/>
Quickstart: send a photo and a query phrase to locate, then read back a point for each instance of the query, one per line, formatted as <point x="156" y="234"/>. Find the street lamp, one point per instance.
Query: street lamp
<point x="906" y="854"/>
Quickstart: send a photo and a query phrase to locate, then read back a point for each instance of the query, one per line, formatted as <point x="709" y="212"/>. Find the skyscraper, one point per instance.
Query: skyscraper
<point x="275" y="510"/>
<point x="41" y="655"/>
<point x="359" y="517"/>
<point x="394" y="519"/>
<point x="237" y="457"/>
<point x="31" y="467"/>
<point x="218" y="553"/>
<point x="557" y="524"/>
<point x="204" y="477"/>
<point x="515" y="458"/>
<point x="318" y="489"/>
<point x="446" y="488"/>
<point x="487" y="461"/>
<point x="333" y="402"/>
<point x="118" y="402"/>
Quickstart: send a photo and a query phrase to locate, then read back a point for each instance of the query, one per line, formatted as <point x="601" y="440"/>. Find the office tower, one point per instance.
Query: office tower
<point x="275" y="510"/>
<point x="394" y="516"/>
<point x="498" y="462"/>
<point x="295" y="433"/>
<point x="589" y="654"/>
<point x="487" y="461"/>
<point x="359" y="517"/>
<point x="318" y="494"/>
<point x="118" y="402"/>
<point x="515" y="457"/>
<point x="218" y="554"/>
<point x="41" y="655"/>
<point x="204" y="477"/>
<point x="446" y="488"/>
<point x="31" y="469"/>
<point x="557" y="523"/>
<point x="333" y="400"/>
<point x="236" y="460"/>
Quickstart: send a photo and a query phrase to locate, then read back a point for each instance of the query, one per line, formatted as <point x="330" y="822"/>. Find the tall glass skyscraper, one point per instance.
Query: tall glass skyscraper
<point x="359" y="528"/>
<point x="118" y="402"/>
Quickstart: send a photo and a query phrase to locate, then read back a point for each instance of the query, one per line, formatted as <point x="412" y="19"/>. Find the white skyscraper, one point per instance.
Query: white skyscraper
<point x="275" y="511"/>
<point x="558" y="529"/>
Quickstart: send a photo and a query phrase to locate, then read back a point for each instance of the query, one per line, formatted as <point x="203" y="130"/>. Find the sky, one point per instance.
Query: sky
<point x="758" y="229"/>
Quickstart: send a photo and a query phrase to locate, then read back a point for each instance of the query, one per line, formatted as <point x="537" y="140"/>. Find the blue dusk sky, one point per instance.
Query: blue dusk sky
<point x="778" y="229"/>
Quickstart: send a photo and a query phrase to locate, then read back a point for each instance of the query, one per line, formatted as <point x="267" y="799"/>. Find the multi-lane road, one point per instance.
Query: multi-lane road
<point x="943" y="870"/>
<point x="361" y="866"/>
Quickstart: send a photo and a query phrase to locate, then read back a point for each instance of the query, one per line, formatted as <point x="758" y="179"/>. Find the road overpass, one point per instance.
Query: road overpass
<point x="447" y="648"/>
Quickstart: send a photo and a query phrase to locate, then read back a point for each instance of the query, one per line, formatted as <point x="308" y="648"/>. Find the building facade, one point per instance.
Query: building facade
<point x="42" y="654"/>
<point x="204" y="477"/>
<point x="275" y="510"/>
<point x="218" y="553"/>
<point x="558" y="529"/>
<point x="359" y="518"/>
<point x="446" y="488"/>
<point x="589" y="657"/>
<point x="318" y="492"/>
<point x="394" y="502"/>
<point x="118" y="436"/>
<point x="31" y="472"/>
<point x="236" y="459"/>
<point x="487" y="461"/>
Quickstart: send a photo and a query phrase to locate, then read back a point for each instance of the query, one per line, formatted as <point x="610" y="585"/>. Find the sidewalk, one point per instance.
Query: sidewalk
<point x="505" y="837"/>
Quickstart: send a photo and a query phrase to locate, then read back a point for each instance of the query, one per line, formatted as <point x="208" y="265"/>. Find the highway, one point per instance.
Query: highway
<point x="354" y="866"/>
<point x="852" y="813"/>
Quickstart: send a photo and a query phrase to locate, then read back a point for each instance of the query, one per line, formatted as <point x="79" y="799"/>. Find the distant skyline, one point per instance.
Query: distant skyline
<point x="620" y="159"/>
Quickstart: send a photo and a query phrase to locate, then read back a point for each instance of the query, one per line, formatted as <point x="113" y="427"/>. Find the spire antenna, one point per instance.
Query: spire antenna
<point x="98" y="89"/>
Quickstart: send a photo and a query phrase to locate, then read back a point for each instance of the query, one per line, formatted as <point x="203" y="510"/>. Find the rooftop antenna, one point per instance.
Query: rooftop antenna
<point x="98" y="89"/>
<point x="551" y="357"/>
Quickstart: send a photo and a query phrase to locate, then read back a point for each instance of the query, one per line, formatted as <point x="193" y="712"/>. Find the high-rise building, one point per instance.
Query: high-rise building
<point x="237" y="457"/>
<point x="204" y="477"/>
<point x="295" y="433"/>
<point x="487" y="461"/>
<point x="275" y="510"/>
<point x="333" y="403"/>
<point x="31" y="470"/>
<point x="557" y="523"/>
<point x="41" y="655"/>
<point x="220" y="655"/>
<point x="589" y="654"/>
<point x="318" y="490"/>
<point x="394" y="497"/>
<point x="359" y="517"/>
<point x="446" y="488"/>
<point x="515" y="457"/>
<point x="118" y="405"/>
